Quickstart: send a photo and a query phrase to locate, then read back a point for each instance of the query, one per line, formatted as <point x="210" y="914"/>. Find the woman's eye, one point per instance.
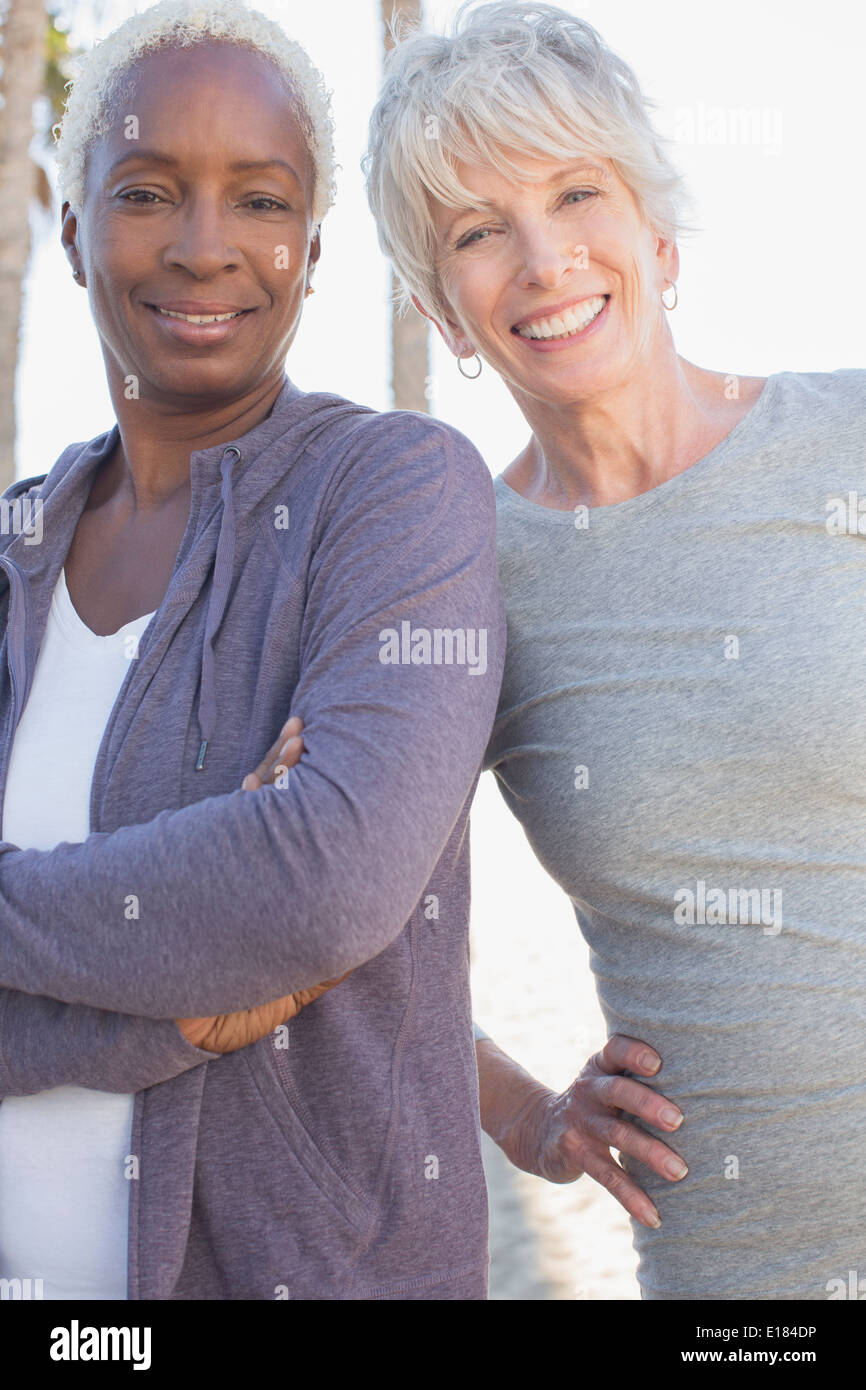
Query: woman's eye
<point x="144" y="197"/>
<point x="580" y="193"/>
<point x="472" y="236"/>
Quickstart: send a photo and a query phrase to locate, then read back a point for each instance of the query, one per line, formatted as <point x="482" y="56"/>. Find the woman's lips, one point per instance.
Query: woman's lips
<point x="199" y="334"/>
<point x="555" y="342"/>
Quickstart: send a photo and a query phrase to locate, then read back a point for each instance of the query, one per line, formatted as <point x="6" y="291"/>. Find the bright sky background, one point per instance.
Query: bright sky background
<point x="774" y="282"/>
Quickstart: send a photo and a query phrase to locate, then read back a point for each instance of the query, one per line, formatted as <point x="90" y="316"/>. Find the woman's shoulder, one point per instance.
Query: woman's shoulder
<point x="408" y="441"/>
<point x="34" y="490"/>
<point x="817" y="420"/>
<point x="842" y="391"/>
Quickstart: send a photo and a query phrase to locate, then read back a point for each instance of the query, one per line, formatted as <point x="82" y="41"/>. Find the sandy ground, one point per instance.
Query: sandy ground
<point x="534" y="994"/>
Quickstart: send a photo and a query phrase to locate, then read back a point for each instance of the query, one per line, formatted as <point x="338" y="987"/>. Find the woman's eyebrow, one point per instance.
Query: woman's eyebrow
<point x="580" y="166"/>
<point x="467" y="210"/>
<point x="158" y="157"/>
<point x="266" y="164"/>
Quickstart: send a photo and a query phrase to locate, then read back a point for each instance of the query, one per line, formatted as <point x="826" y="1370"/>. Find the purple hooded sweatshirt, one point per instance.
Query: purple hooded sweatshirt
<point x="339" y="564"/>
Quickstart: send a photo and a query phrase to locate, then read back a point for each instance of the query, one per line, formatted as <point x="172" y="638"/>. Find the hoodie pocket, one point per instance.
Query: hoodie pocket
<point x="276" y="1086"/>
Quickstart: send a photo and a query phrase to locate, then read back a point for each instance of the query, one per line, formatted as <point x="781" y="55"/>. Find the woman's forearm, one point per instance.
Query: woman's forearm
<point x="45" y="1043"/>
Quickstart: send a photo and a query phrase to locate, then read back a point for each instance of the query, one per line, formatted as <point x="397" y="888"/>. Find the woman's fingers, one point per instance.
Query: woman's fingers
<point x="621" y="1093"/>
<point x="287" y="757"/>
<point x="303" y="997"/>
<point x="285" y="751"/>
<point x="600" y="1165"/>
<point x="628" y="1139"/>
<point x="621" y="1053"/>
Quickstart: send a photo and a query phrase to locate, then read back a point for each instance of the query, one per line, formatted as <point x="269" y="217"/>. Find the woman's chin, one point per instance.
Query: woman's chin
<point x="557" y="381"/>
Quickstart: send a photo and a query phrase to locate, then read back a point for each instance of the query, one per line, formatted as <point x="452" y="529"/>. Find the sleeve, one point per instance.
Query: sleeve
<point x="45" y="1043"/>
<point x="247" y="896"/>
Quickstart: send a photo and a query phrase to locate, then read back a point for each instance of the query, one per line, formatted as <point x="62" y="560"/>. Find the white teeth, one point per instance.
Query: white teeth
<point x="201" y="318"/>
<point x="565" y="324"/>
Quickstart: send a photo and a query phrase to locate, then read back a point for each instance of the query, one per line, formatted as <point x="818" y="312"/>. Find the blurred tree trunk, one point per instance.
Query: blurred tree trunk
<point x="410" y="360"/>
<point x="23" y="52"/>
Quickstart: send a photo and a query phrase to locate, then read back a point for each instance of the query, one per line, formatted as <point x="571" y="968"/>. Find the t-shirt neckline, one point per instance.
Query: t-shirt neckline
<point x="74" y="627"/>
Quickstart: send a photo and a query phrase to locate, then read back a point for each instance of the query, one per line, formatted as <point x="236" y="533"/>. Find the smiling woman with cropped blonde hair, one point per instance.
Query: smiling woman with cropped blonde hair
<point x="678" y="665"/>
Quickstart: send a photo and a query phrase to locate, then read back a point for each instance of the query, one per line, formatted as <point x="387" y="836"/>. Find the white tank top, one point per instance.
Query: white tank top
<point x="64" y="1196"/>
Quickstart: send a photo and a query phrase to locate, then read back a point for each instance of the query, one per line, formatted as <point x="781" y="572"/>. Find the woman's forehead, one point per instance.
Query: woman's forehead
<point x="471" y="183"/>
<point x="203" y="64"/>
<point x="207" y="97"/>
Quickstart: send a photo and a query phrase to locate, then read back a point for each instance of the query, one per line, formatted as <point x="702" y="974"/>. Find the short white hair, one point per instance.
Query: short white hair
<point x="178" y="23"/>
<point x="526" y="77"/>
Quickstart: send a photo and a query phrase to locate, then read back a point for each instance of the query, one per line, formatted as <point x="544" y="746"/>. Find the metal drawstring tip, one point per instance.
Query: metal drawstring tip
<point x="201" y="752"/>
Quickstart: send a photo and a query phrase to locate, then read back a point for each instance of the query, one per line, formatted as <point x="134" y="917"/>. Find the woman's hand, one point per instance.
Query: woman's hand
<point x="559" y="1137"/>
<point x="228" y="1032"/>
<point x="282" y="755"/>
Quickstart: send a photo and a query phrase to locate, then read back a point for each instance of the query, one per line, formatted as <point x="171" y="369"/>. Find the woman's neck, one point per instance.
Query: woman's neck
<point x="614" y="446"/>
<point x="151" y="460"/>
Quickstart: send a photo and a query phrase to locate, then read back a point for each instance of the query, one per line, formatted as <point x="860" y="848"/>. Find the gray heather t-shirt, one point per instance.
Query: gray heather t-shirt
<point x="682" y="734"/>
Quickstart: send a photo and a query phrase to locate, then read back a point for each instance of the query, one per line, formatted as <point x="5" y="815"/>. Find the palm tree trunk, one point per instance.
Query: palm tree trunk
<point x="410" y="360"/>
<point x="24" y="35"/>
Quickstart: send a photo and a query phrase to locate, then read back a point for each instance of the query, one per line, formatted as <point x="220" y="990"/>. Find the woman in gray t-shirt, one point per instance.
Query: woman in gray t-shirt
<point x="683" y="563"/>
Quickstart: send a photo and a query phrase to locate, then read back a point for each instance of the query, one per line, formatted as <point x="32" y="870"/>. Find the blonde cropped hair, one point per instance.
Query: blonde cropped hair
<point x="510" y="76"/>
<point x="178" y="23"/>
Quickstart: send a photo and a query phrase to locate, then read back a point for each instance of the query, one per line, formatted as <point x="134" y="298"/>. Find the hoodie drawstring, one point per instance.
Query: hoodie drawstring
<point x="222" y="578"/>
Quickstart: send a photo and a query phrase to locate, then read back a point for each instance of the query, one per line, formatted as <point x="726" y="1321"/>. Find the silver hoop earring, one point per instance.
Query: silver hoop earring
<point x="676" y="297"/>
<point x="470" y="376"/>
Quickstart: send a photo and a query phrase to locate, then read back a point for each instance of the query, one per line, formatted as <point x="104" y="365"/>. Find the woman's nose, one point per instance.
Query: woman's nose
<point x="201" y="242"/>
<point x="545" y="260"/>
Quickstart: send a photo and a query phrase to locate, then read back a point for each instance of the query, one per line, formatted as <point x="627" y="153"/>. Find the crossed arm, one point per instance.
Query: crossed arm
<point x="301" y="883"/>
<point x="57" y="1044"/>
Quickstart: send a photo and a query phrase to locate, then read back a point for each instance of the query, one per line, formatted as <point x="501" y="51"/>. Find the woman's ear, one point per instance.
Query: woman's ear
<point x="668" y="255"/>
<point x="456" y="342"/>
<point x="68" y="239"/>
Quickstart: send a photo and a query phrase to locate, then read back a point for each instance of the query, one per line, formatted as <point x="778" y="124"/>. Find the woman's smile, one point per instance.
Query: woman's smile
<point x="208" y="326"/>
<point x="565" y="327"/>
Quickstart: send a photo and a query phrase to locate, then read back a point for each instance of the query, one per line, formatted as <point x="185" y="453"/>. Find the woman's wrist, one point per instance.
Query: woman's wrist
<point x="512" y="1104"/>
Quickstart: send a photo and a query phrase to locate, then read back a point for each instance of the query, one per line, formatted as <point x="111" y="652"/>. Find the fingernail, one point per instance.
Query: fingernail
<point x="670" y="1116"/>
<point x="649" y="1061"/>
<point x="655" y="1220"/>
<point x="675" y="1168"/>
